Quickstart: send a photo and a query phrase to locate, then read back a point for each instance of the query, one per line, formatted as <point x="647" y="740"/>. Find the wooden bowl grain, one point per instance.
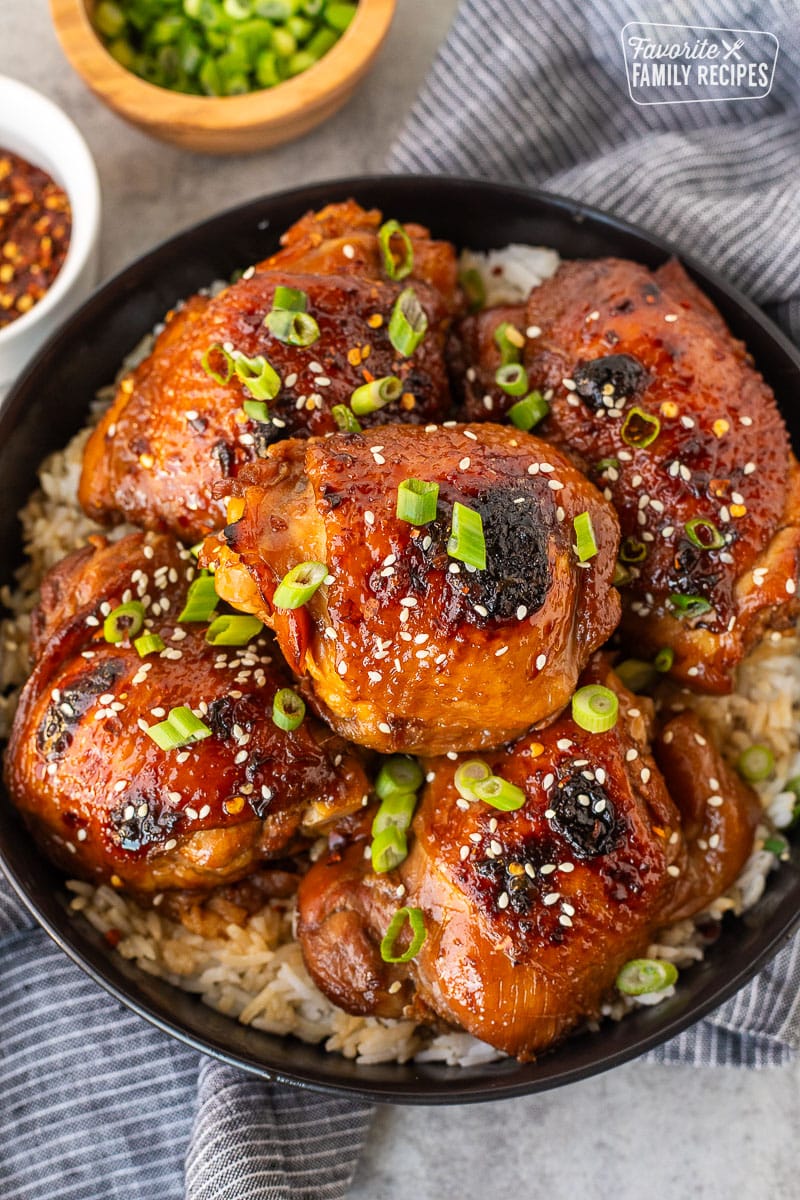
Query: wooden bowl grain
<point x="230" y="124"/>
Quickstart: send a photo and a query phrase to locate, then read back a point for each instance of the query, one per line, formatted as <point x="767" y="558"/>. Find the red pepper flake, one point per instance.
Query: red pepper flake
<point x="113" y="937"/>
<point x="35" y="227"/>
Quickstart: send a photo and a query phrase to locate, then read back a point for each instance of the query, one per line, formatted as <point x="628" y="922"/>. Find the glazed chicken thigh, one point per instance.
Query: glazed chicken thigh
<point x="220" y="385"/>
<point x="528" y="914"/>
<point x="105" y="800"/>
<point x="405" y="646"/>
<point x="663" y="409"/>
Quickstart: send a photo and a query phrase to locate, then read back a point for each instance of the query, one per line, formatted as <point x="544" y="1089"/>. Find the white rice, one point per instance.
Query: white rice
<point x="255" y="973"/>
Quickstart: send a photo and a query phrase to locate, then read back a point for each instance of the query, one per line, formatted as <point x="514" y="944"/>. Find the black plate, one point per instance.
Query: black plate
<point x="49" y="403"/>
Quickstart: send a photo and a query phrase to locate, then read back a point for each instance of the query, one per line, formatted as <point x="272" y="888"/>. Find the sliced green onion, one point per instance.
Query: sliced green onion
<point x="664" y="659"/>
<point x="345" y="418"/>
<point x="408" y="323"/>
<point x="298" y="585"/>
<point x="512" y="378"/>
<point x="636" y="674"/>
<point x="376" y="394"/>
<point x="416" y="921"/>
<point x="416" y="501"/>
<point x="124" y="622"/>
<point x="639" y="428"/>
<point x="291" y="299"/>
<point x="398" y="775"/>
<point x="499" y="793"/>
<point x="474" y="289"/>
<point x="293" y="328"/>
<point x="704" y="534"/>
<point x="219" y="355"/>
<point x="256" y="410"/>
<point x="643" y="975"/>
<point x="388" y="849"/>
<point x="288" y="710"/>
<point x="261" y="380"/>
<point x="586" y="545"/>
<point x="689" y="606"/>
<point x="402" y="264"/>
<point x="395" y="810"/>
<point x="201" y="600"/>
<point x="109" y="19"/>
<point x="632" y="550"/>
<point x="756" y="763"/>
<point x="595" y="708"/>
<point x="181" y="728"/>
<point x="793" y="785"/>
<point x="195" y="549"/>
<point x="339" y="16"/>
<point x="776" y="845"/>
<point x="466" y="541"/>
<point x="229" y="630"/>
<point x="509" y="342"/>
<point x="475" y="770"/>
<point x="529" y="412"/>
<point x="622" y="575"/>
<point x="148" y="643"/>
<point x="606" y="464"/>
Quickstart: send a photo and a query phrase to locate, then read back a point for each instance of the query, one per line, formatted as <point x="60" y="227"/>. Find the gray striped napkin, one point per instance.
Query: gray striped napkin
<point x="537" y="93"/>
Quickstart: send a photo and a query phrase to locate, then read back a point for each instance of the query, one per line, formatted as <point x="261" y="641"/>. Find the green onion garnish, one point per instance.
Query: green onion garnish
<point x="466" y="541"/>
<point x="509" y="341"/>
<point x="397" y="810"/>
<point x="473" y="287"/>
<point x="632" y="550"/>
<point x="499" y="793"/>
<point x="298" y="585"/>
<point x="416" y="501"/>
<point x="288" y="710"/>
<point x="148" y="643"/>
<point x="376" y="394"/>
<point x="793" y="785"/>
<point x="124" y="622"/>
<point x="622" y="575"/>
<point x="776" y="845"/>
<point x="704" y="534"/>
<point x="643" y="975"/>
<point x="529" y="412"/>
<point x="388" y="849"/>
<point x="756" y="763"/>
<point x="398" y="775"/>
<point x="595" y="708"/>
<point x="606" y="464"/>
<point x="664" y="659"/>
<point x="201" y="600"/>
<point x="586" y="544"/>
<point x="639" y="428"/>
<point x="346" y="419"/>
<point x="230" y="630"/>
<point x="293" y="328"/>
<point x="416" y="921"/>
<point x="256" y="409"/>
<point x="636" y="674"/>
<point x="222" y="372"/>
<point x="689" y="606"/>
<point x="396" y="266"/>
<point x="512" y="378"/>
<point x="408" y="323"/>
<point x="475" y="770"/>
<point x="261" y="380"/>
<point x="290" y="299"/>
<point x="181" y="728"/>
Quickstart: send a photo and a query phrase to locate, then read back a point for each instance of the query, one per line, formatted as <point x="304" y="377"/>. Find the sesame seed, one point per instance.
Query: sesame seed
<point x="673" y="871"/>
<point x="555" y="485"/>
<point x="499" y="653"/>
<point x="369" y="517"/>
<point x="565" y="920"/>
<point x="342" y="667"/>
<point x="715" y="801"/>
<point x="551" y="898"/>
<point x="464" y="851"/>
<point x="564" y="744"/>
<point x="533" y="331"/>
<point x="495" y="847"/>
<point x="502" y="900"/>
<point x="384" y="727"/>
<point x="791" y="587"/>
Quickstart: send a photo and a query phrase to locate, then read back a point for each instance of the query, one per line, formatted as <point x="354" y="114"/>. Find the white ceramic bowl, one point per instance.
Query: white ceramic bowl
<point x="36" y="129"/>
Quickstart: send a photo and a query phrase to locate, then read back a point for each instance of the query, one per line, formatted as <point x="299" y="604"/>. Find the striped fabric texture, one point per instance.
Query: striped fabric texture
<point x="536" y="93"/>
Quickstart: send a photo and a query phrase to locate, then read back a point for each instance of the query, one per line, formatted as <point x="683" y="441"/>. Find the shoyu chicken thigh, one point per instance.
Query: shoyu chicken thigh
<point x="512" y="916"/>
<point x="158" y="764"/>
<point x="279" y="353"/>
<point x="663" y="409"/>
<point x="464" y="577"/>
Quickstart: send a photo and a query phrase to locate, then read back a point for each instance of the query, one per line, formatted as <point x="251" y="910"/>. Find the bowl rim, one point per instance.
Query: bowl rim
<point x="146" y="103"/>
<point x="79" y="180"/>
<point x="781" y="923"/>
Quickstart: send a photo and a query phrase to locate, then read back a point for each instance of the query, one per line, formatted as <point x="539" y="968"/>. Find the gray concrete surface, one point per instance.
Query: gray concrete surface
<point x="664" y="1132"/>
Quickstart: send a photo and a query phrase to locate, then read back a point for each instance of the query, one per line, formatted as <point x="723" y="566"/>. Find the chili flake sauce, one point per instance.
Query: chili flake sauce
<point x="35" y="227"/>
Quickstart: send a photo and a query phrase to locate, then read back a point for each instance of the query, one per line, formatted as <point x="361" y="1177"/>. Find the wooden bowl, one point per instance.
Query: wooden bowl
<point x="229" y="124"/>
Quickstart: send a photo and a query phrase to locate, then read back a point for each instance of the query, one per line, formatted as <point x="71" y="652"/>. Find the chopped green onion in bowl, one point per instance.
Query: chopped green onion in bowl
<point x="124" y="622"/>
<point x="529" y="411"/>
<point x="499" y="793"/>
<point x="396" y="810"/>
<point x="416" y="501"/>
<point x="396" y="250"/>
<point x="512" y="378"/>
<point x="585" y="541"/>
<point x="398" y="776"/>
<point x="756" y="763"/>
<point x="288" y="710"/>
<point x="375" y="395"/>
<point x="233" y="630"/>
<point x="641" y="976"/>
<point x="475" y="770"/>
<point x="467" y="542"/>
<point x="595" y="708"/>
<point x="408" y="323"/>
<point x="299" y="585"/>
<point x="416" y="920"/>
<point x="389" y="848"/>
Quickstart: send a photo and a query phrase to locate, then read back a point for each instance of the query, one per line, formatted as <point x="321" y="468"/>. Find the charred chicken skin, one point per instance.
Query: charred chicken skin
<point x="108" y="803"/>
<point x="663" y="409"/>
<point x="404" y="647"/>
<point x="530" y="914"/>
<point x="178" y="425"/>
